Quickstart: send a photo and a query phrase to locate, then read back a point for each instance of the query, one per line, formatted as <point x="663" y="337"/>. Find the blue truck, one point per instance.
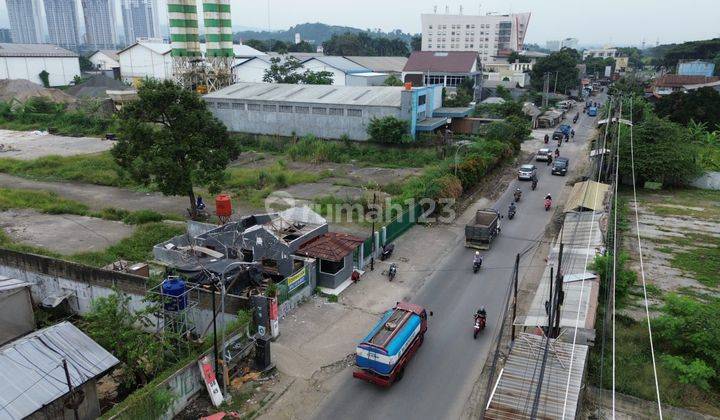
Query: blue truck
<point x="565" y="128"/>
<point x="382" y="355"/>
<point x="592" y="111"/>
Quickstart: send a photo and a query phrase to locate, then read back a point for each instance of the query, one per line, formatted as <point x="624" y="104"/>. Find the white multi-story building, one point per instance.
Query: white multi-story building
<point x="552" y="45"/>
<point x="62" y="23"/>
<point x="139" y="20"/>
<point x="25" y="26"/>
<point x="100" y="31"/>
<point x="604" y="52"/>
<point x="489" y="35"/>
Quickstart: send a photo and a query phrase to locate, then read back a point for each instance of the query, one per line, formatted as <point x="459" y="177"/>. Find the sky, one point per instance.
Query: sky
<point x="617" y="22"/>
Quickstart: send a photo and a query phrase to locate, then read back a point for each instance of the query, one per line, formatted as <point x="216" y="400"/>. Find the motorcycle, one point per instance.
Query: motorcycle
<point x="548" y="204"/>
<point x="533" y="185"/>
<point x="511" y="214"/>
<point x="476" y="266"/>
<point x="547" y="139"/>
<point x="517" y="195"/>
<point x="479" y="325"/>
<point x="387" y="251"/>
<point x="392" y="271"/>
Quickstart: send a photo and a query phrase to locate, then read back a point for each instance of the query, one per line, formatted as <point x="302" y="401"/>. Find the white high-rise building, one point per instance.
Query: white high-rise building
<point x="139" y="20"/>
<point x="490" y="35"/>
<point x="25" y="25"/>
<point x="553" y="45"/>
<point x="100" y="32"/>
<point x="569" y="43"/>
<point x="62" y="23"/>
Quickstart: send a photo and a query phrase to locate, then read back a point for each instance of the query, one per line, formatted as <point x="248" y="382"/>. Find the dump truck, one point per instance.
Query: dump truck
<point x="383" y="354"/>
<point x="482" y="229"/>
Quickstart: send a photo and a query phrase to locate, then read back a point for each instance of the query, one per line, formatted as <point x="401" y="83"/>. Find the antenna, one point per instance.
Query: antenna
<point x="435" y="9"/>
<point x="447" y="9"/>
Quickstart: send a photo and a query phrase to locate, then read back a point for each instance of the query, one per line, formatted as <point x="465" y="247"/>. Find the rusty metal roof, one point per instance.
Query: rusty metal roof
<point x="331" y="246"/>
<point x="517" y="383"/>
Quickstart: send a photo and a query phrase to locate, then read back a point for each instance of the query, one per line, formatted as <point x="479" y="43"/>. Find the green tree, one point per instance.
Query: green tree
<point x="416" y="43"/>
<point x="701" y="105"/>
<point x="503" y="92"/>
<point x="168" y="137"/>
<point x="596" y="65"/>
<point x="365" y="44"/>
<point x="322" y="77"/>
<point x="393" y="80"/>
<point x="634" y="55"/>
<point x="44" y="78"/>
<point x="287" y="69"/>
<point x="464" y="94"/>
<point x="114" y="326"/>
<point x="663" y="153"/>
<point x="303" y="46"/>
<point x="388" y="130"/>
<point x="257" y="44"/>
<point x="515" y="56"/>
<point x="86" y="64"/>
<point x="278" y="46"/>
<point x="561" y="65"/>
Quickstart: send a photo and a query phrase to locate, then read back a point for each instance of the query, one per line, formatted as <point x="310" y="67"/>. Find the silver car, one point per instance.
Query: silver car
<point x="527" y="172"/>
<point x="543" y="154"/>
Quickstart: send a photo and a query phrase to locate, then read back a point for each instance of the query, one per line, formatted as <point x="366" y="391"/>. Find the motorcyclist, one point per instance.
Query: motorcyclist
<point x="199" y="204"/>
<point x="512" y="208"/>
<point x="548" y="197"/>
<point x="534" y="181"/>
<point x="517" y="193"/>
<point x="547" y="138"/>
<point x="549" y="160"/>
<point x="477" y="259"/>
<point x="572" y="133"/>
<point x="557" y="152"/>
<point x="481" y="313"/>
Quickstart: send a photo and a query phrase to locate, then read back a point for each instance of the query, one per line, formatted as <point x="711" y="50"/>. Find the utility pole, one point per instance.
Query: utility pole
<point x="517" y="269"/>
<point x="555" y="86"/>
<point x="70" y="388"/>
<point x="372" y="237"/>
<point x="560" y="293"/>
<point x="215" y="346"/>
<point x="546" y="90"/>
<point x="549" y="306"/>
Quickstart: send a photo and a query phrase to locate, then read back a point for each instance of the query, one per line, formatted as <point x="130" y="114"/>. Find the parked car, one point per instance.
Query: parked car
<point x="527" y="172"/>
<point x="592" y="111"/>
<point x="543" y="154"/>
<point x="560" y="166"/>
<point x="558" y="135"/>
<point x="565" y="128"/>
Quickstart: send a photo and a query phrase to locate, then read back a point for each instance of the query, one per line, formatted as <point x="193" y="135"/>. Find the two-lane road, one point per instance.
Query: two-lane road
<point x="439" y="379"/>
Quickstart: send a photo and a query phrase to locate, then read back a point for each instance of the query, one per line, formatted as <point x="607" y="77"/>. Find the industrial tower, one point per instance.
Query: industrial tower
<point x="191" y="68"/>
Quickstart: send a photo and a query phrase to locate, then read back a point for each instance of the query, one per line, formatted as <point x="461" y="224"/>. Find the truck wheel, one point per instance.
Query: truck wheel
<point x="400" y="374"/>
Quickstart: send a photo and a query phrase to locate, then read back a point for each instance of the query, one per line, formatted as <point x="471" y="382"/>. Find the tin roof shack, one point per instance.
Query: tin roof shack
<point x="334" y="252"/>
<point x="33" y="383"/>
<point x="16" y="309"/>
<point x="551" y="118"/>
<point x="514" y="392"/>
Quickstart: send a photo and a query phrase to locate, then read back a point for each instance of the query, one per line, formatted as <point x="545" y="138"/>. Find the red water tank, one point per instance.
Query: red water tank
<point x="223" y="205"/>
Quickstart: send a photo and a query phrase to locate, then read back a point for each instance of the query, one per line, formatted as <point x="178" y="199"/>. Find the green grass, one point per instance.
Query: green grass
<point x="98" y="169"/>
<point x="703" y="264"/>
<point x="276" y="176"/>
<point x="634" y="373"/>
<point x="42" y="201"/>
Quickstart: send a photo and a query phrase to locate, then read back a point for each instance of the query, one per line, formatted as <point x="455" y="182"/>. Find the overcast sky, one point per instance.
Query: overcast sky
<point x="592" y="22"/>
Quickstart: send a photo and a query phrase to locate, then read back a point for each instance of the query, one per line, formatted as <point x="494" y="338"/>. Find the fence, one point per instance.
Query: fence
<point x="397" y="227"/>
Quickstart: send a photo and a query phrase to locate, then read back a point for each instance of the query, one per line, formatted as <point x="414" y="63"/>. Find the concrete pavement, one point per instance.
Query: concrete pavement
<point x="437" y="269"/>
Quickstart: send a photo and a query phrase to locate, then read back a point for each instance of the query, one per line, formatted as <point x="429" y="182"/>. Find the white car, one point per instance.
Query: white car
<point x="527" y="172"/>
<point x="543" y="154"/>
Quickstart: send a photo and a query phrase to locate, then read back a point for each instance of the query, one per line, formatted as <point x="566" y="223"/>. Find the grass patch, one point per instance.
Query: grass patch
<point x="658" y="202"/>
<point x="98" y="169"/>
<point x="41" y="114"/>
<point x="42" y="201"/>
<point x="276" y="176"/>
<point x="704" y="264"/>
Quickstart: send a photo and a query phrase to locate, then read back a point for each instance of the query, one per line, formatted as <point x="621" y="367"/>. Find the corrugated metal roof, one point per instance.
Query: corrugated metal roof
<point x="34" y="50"/>
<point x="331" y="246"/>
<point x="582" y="239"/>
<point x="163" y="48"/>
<point x="7" y="284"/>
<point x="312" y="94"/>
<point x="380" y="64"/>
<point x="587" y="195"/>
<point x="340" y="63"/>
<point x="31" y="372"/>
<point x="516" y="387"/>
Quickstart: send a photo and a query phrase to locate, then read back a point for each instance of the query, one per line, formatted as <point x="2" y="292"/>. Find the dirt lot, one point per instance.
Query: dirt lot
<point x="27" y="145"/>
<point x="62" y="233"/>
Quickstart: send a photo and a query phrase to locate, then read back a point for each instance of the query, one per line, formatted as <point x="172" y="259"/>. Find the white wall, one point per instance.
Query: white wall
<point x="251" y="71"/>
<point x="103" y="62"/>
<point x="61" y="70"/>
<point x="139" y="62"/>
<point x="317" y="65"/>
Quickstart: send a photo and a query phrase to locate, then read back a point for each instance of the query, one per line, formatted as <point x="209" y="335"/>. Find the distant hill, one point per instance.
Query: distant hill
<point x="317" y="33"/>
<point x="668" y="54"/>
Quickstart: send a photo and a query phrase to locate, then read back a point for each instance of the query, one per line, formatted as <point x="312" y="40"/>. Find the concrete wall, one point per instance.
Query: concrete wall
<point x="238" y="117"/>
<point x="61" y="70"/>
<point x="53" y="277"/>
<point x="332" y="281"/>
<point x="360" y="80"/>
<point x="709" y="181"/>
<point x="16" y="314"/>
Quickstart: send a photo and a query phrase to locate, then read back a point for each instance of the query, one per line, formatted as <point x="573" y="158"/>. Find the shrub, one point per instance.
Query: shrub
<point x="389" y="130"/>
<point x="141" y="217"/>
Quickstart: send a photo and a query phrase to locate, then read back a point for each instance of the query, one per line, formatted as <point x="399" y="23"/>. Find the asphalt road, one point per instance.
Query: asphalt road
<point x="439" y="379"/>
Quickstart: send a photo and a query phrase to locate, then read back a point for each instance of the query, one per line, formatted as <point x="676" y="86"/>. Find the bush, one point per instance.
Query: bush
<point x="696" y="372"/>
<point x="626" y="278"/>
<point x="389" y="130"/>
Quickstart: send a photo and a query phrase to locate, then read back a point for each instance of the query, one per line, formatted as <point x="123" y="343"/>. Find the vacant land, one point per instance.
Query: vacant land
<point x="28" y="145"/>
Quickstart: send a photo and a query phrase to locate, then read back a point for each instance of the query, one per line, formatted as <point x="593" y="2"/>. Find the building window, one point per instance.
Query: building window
<point x="353" y="112"/>
<point x="286" y="109"/>
<point x="331" y="267"/>
<point x="238" y="105"/>
<point x="336" y="111"/>
<point x="319" y="111"/>
<point x="302" y="110"/>
<point x="422" y="99"/>
<point x="223" y="105"/>
<point x="269" y="108"/>
<point x="254" y="107"/>
<point x="211" y="104"/>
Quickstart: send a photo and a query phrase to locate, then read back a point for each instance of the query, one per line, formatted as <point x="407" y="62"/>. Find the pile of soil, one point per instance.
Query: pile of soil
<point x="96" y="87"/>
<point x="20" y="90"/>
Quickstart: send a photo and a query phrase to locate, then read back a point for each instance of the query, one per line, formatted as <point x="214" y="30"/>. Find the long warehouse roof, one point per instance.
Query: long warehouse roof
<point x="312" y="94"/>
<point x="34" y="50"/>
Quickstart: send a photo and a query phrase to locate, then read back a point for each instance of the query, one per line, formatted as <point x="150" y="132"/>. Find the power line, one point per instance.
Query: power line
<point x="642" y="268"/>
<point x="614" y="274"/>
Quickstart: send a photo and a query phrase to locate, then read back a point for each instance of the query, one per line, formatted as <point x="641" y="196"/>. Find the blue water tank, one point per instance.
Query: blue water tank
<point x="173" y="290"/>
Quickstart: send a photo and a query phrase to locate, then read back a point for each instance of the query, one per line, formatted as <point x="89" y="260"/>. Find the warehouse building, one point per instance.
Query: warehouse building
<point x="27" y="61"/>
<point x="326" y="111"/>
